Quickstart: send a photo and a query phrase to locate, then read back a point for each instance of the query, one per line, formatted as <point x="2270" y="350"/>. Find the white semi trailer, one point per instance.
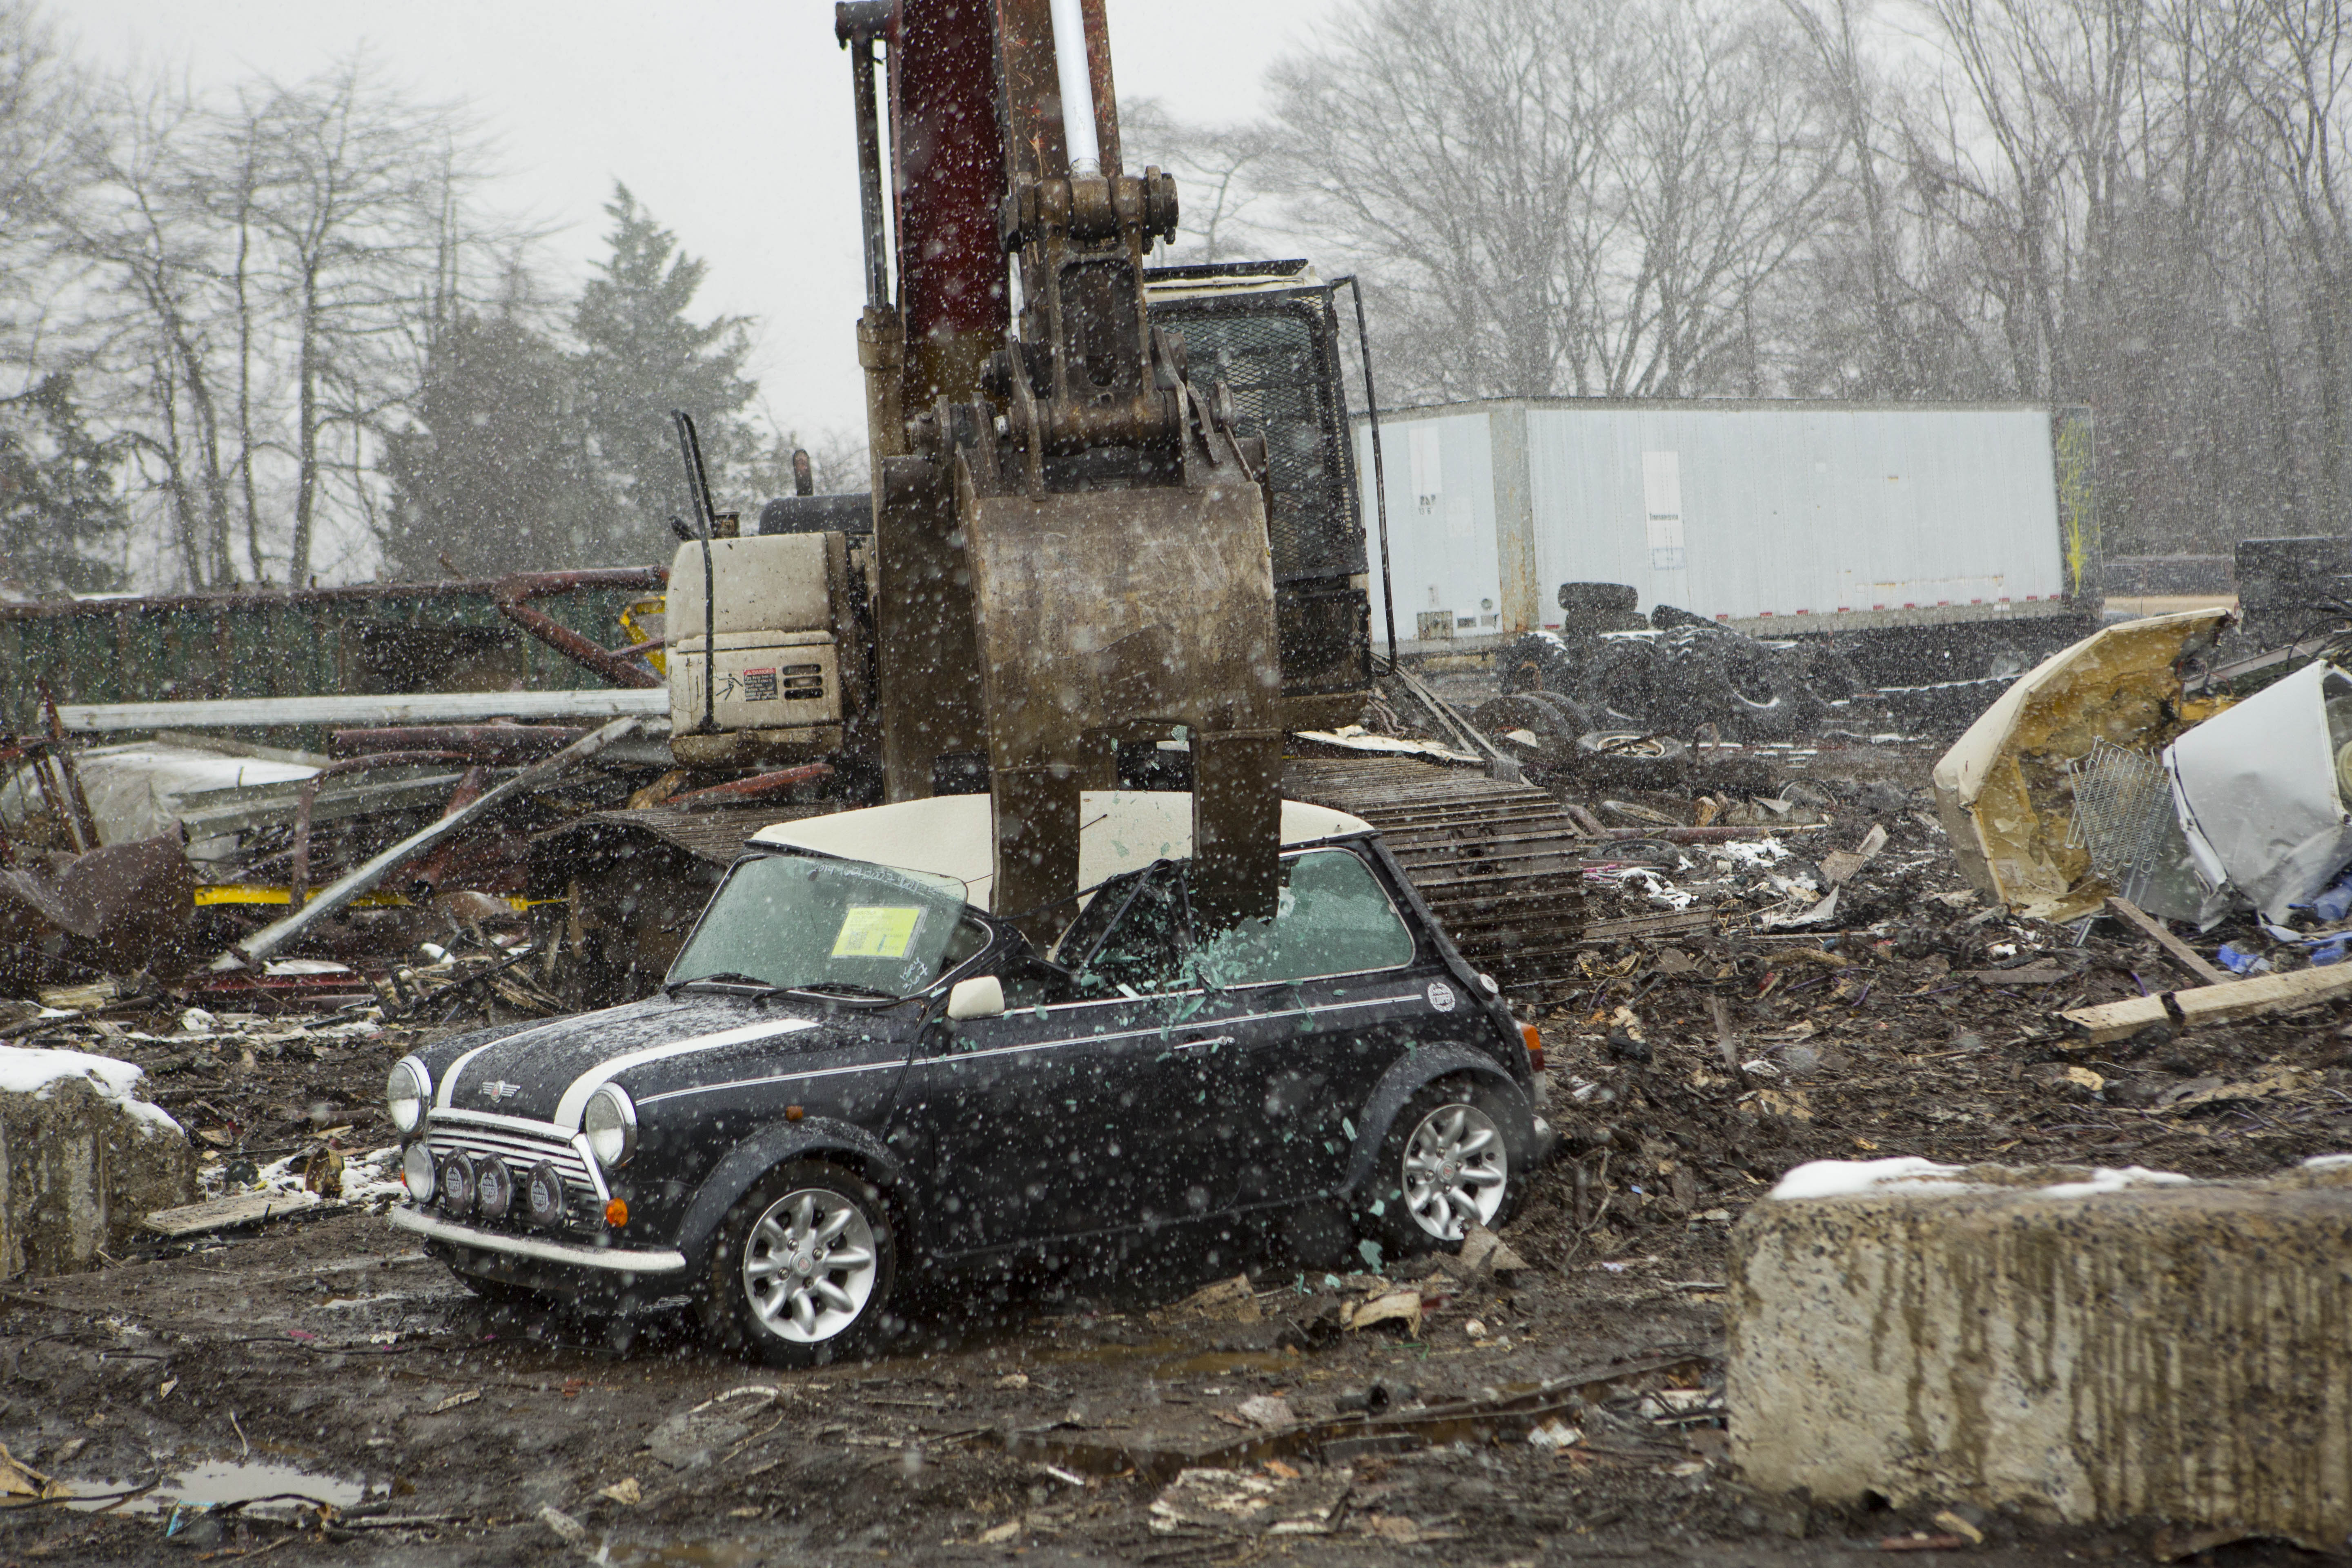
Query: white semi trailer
<point x="1908" y="530"/>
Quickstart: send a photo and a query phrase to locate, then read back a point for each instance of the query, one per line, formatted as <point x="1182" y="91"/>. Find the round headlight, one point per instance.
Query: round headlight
<point x="542" y="1196"/>
<point x="610" y="1120"/>
<point x="417" y="1169"/>
<point x="403" y="1095"/>
<point x="493" y="1188"/>
<point x="457" y="1185"/>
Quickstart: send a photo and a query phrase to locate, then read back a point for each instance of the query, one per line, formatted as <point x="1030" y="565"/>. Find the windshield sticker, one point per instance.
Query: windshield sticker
<point x="877" y="930"/>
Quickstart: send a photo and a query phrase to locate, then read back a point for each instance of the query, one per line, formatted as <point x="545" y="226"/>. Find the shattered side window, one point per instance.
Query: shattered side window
<point x="1334" y="917"/>
<point x="1142" y="950"/>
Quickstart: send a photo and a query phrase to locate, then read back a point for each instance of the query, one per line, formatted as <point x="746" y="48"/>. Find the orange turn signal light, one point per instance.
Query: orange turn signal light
<point x="1535" y="1047"/>
<point x="616" y="1214"/>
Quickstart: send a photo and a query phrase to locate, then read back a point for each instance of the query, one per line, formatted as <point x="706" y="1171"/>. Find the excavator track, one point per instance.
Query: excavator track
<point x="1497" y="863"/>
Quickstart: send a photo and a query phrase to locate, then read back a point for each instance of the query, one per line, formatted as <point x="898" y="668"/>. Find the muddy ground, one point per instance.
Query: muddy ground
<point x="1043" y="1419"/>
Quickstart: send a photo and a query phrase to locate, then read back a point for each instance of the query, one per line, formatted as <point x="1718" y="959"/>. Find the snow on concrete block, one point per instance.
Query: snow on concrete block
<point x="2079" y="1345"/>
<point x="82" y="1159"/>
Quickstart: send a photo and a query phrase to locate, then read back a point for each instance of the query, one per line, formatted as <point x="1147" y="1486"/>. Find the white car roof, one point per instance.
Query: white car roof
<point x="950" y="836"/>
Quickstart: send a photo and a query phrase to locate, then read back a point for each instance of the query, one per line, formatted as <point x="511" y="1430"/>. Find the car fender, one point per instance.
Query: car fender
<point x="1415" y="1071"/>
<point x="741" y="1168"/>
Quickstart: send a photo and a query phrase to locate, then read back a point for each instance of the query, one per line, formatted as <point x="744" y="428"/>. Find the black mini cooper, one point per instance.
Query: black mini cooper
<point x="856" y="1071"/>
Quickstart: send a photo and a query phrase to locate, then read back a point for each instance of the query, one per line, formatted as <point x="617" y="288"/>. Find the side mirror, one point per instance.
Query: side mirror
<point x="982" y="996"/>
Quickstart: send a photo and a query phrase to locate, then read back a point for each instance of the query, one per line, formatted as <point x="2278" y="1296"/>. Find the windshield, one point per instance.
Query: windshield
<point x="806" y="923"/>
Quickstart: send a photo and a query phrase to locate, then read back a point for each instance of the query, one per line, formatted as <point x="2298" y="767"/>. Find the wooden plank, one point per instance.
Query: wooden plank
<point x="226" y="1213"/>
<point x="2208" y="1004"/>
<point x="2179" y="952"/>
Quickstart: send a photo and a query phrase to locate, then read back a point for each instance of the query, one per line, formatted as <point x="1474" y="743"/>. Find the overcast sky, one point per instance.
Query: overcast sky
<point x="729" y="119"/>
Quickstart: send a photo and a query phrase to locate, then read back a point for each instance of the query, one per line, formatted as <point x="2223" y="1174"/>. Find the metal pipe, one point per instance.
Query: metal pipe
<point x="298" y="874"/>
<point x="1078" y="86"/>
<point x="699" y="484"/>
<point x="869" y="172"/>
<point x="1379" y="476"/>
<point x="489" y="742"/>
<point x="511" y="593"/>
<point x="425" y="880"/>
<point x="752" y="789"/>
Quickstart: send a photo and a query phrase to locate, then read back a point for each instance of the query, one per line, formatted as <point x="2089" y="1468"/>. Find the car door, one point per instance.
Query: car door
<point x="1310" y="1008"/>
<point x="1042" y="1122"/>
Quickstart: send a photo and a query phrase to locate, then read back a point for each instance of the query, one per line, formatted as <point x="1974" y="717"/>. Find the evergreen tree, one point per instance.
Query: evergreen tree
<point x="496" y="476"/>
<point x="641" y="357"/>
<point x="60" y="497"/>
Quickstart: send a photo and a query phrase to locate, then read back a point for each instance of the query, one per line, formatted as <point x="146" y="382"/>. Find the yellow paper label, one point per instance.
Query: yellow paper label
<point x="875" y="930"/>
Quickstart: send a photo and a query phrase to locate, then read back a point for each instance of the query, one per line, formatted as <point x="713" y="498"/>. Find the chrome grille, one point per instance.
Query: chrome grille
<point x="520" y="1151"/>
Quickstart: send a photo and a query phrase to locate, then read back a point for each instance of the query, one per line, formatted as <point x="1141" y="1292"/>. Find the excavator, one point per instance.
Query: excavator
<point x="1113" y="533"/>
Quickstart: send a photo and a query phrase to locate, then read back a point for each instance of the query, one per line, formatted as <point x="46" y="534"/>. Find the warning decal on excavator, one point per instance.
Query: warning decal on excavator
<point x="877" y="930"/>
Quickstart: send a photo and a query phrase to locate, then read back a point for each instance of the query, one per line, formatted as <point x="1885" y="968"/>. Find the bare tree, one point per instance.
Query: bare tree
<point x="1560" y="196"/>
<point x="253" y="273"/>
<point x="2298" y="85"/>
<point x="1722" y="169"/>
<point x="1453" y="151"/>
<point x="348" y="183"/>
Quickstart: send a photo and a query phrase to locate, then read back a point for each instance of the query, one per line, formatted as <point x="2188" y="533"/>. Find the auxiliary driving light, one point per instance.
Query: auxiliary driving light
<point x="493" y="1189"/>
<point x="457" y="1185"/>
<point x="418" y="1171"/>
<point x="542" y="1196"/>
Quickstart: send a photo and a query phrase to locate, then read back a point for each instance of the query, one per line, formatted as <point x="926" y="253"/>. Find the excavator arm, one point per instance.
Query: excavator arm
<point x="1071" y="535"/>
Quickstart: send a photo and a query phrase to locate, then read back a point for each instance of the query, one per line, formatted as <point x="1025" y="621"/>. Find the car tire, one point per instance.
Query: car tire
<point x="771" y="1295"/>
<point x="1616" y="690"/>
<point x="1632" y="760"/>
<point x="1535" y="661"/>
<point x="1424" y="1194"/>
<point x="1500" y="715"/>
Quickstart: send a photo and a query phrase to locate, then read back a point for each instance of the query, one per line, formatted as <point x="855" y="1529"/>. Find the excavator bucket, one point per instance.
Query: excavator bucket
<point x="1106" y="612"/>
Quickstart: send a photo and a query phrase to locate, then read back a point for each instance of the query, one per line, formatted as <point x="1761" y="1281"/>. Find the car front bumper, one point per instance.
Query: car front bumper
<point x="609" y="1259"/>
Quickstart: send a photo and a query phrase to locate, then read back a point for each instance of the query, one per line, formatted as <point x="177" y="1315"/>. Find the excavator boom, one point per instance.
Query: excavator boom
<point x="1071" y="533"/>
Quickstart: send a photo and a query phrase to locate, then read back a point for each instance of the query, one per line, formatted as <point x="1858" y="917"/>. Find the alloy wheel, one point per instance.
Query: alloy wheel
<point x="809" y="1264"/>
<point x="1456" y="1171"/>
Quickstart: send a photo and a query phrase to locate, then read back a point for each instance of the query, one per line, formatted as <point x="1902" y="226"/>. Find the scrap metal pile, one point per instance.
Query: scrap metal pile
<point x="395" y="870"/>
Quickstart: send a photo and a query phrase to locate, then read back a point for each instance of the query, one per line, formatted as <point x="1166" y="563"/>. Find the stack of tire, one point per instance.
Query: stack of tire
<point x="1618" y="673"/>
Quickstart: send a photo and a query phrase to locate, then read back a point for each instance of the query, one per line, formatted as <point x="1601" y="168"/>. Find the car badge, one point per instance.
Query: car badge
<point x="1440" y="995"/>
<point x="498" y="1090"/>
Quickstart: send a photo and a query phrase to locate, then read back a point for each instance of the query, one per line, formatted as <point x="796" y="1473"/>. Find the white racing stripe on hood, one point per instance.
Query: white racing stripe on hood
<point x="575" y="1099"/>
<point x="448" y="1084"/>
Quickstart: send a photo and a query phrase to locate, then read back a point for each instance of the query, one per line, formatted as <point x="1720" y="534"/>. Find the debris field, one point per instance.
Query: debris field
<point x="313" y="1382"/>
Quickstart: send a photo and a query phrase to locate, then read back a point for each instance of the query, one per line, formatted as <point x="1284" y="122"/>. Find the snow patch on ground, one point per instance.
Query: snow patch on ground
<point x="28" y="1069"/>
<point x="1842" y="1178"/>
<point x="367" y="1177"/>
<point x="2103" y="1180"/>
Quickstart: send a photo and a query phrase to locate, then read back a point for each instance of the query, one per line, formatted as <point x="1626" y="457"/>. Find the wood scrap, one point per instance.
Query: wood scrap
<point x="2205" y="1004"/>
<point x="2179" y="952"/>
<point x="227" y="1213"/>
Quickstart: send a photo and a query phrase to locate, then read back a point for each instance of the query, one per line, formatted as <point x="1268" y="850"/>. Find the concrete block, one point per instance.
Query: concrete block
<point x="82" y="1159"/>
<point x="2088" y="1347"/>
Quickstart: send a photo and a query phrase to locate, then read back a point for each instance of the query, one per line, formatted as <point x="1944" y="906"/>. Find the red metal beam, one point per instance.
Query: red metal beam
<point x="511" y="598"/>
<point x="948" y="159"/>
